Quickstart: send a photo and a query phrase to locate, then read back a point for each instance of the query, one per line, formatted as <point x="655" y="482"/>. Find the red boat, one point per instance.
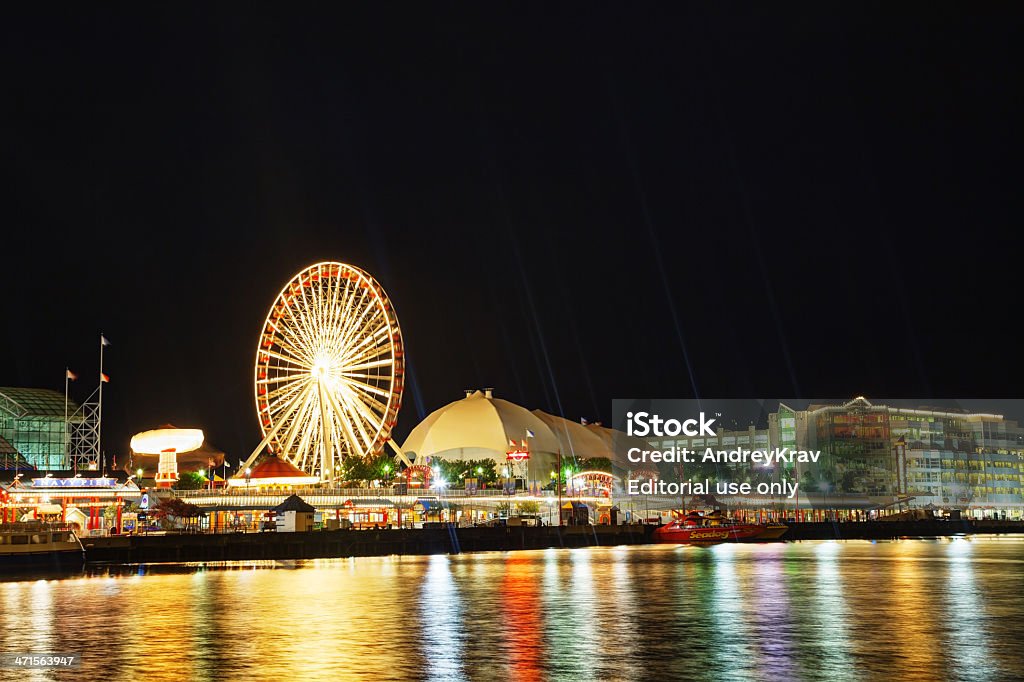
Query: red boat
<point x="698" y="529"/>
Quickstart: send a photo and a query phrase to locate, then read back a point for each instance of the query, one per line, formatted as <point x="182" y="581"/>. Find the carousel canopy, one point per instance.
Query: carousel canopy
<point x="207" y="456"/>
<point x="167" y="438"/>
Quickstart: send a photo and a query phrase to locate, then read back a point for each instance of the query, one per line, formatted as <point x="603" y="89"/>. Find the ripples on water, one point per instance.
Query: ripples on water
<point x="926" y="610"/>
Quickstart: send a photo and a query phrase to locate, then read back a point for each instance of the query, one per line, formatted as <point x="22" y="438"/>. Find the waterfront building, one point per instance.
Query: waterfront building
<point x="294" y="515"/>
<point x="925" y="456"/>
<point x="76" y="499"/>
<point x="32" y="424"/>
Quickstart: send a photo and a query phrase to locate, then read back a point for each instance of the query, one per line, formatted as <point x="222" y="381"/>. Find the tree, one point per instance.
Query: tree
<point x="175" y="510"/>
<point x="452" y="472"/>
<point x="456" y="473"/>
<point x="190" y="480"/>
<point x="110" y="512"/>
<point x="483" y="470"/>
<point x="596" y="464"/>
<point x="361" y="469"/>
<point x="357" y="469"/>
<point x="528" y="507"/>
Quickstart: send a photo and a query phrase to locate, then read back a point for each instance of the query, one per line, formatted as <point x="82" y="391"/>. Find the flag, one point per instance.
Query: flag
<point x="524" y="443"/>
<point x="103" y="341"/>
<point x="104" y="378"/>
<point x="240" y="464"/>
<point x="511" y="443"/>
<point x="71" y="375"/>
<point x="529" y="434"/>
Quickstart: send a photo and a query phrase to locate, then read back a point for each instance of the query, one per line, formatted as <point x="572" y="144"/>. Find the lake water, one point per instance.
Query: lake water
<point x="913" y="609"/>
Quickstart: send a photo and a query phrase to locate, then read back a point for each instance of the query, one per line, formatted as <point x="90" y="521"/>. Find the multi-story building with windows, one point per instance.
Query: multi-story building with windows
<point x="937" y="456"/>
<point x="32" y="423"/>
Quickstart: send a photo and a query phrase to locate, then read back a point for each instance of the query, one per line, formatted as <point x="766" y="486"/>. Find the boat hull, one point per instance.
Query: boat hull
<point x="58" y="560"/>
<point x="711" y="535"/>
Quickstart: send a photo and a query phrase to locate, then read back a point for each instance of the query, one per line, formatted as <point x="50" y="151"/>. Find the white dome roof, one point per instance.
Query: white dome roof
<point x="481" y="426"/>
<point x="575" y="439"/>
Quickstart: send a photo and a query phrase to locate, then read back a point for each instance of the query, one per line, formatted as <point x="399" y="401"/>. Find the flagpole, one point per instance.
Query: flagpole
<point x="67" y="450"/>
<point x="99" y="413"/>
<point x="558" y="485"/>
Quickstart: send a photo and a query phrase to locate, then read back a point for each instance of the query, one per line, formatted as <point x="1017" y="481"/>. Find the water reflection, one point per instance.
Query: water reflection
<point x="826" y="611"/>
<point x="441" y="621"/>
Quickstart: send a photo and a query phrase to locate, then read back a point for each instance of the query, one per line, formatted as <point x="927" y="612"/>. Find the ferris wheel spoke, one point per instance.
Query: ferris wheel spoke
<point x="284" y="358"/>
<point x="342" y="445"/>
<point x="345" y="423"/>
<point x="279" y="402"/>
<point x="370" y="365"/>
<point x="286" y="390"/>
<point x="371" y="345"/>
<point x="366" y="388"/>
<point x="295" y="352"/>
<point x="326" y="429"/>
<point x="283" y="381"/>
<point x="294" y="344"/>
<point x="300" y="419"/>
<point x="288" y="404"/>
<point x="305" y="441"/>
<point x="283" y="377"/>
<point x="342" y="311"/>
<point x="368" y="354"/>
<point x="357" y="323"/>
<point x="364" y="329"/>
<point x="299" y="316"/>
<point x="352" y="408"/>
<point x="353" y="376"/>
<point x="369" y="408"/>
<point x="374" y="421"/>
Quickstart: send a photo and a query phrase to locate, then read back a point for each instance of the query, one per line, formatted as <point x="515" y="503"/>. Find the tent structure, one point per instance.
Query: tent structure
<point x="273" y="471"/>
<point x="481" y="426"/>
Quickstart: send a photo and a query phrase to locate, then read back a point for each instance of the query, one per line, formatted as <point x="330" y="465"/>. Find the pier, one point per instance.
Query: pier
<point x="446" y="539"/>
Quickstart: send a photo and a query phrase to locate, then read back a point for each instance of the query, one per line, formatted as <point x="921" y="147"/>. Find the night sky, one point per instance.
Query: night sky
<point x="571" y="202"/>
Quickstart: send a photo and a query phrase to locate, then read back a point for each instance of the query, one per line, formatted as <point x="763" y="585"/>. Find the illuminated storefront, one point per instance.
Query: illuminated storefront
<point x="79" y="500"/>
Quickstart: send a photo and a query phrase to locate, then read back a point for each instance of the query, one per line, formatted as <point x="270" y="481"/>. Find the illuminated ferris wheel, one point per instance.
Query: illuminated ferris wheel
<point x="329" y="369"/>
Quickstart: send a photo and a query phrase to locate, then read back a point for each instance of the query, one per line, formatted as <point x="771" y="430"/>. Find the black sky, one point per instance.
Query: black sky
<point x="811" y="199"/>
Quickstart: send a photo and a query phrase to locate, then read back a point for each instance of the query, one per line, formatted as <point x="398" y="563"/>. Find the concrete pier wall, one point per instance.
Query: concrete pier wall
<point x="348" y="543"/>
<point x="351" y="543"/>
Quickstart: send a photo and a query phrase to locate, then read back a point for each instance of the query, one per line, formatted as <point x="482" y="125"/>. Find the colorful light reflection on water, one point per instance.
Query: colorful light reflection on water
<point x="946" y="609"/>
